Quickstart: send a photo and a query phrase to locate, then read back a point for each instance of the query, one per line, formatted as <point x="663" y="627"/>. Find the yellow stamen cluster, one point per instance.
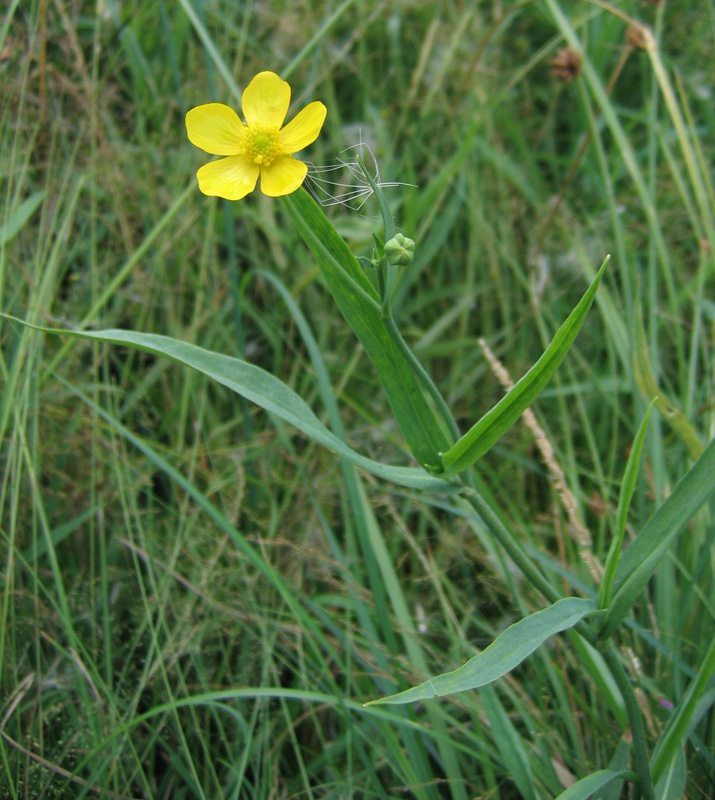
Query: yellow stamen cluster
<point x="261" y="145"/>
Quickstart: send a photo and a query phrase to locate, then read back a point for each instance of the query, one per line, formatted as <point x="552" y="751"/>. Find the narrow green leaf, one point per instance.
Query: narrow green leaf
<point x="645" y="379"/>
<point x="359" y="304"/>
<point x="592" y="662"/>
<point x="509" y="743"/>
<point x="263" y="389"/>
<point x="671" y="785"/>
<point x="641" y="558"/>
<point x="673" y="739"/>
<point x="707" y="307"/>
<point x="584" y="788"/>
<point x="212" y="50"/>
<point x="624" y="500"/>
<point x="619" y="763"/>
<point x="40" y="546"/>
<point x="507" y="651"/>
<point x="20" y="216"/>
<point x="494" y="424"/>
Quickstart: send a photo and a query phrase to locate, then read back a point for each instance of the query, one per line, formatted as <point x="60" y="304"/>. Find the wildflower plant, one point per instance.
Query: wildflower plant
<point x="263" y="148"/>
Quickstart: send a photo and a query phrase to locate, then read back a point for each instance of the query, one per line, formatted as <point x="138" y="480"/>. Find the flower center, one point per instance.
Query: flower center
<point x="261" y="145"/>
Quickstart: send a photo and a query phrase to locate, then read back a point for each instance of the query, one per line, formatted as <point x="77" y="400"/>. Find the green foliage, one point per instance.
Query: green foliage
<point x="505" y="653"/>
<point x="196" y="598"/>
<point x="358" y="302"/>
<point x="588" y="786"/>
<point x="628" y="486"/>
<point x="480" y="438"/>
<point x="651" y="544"/>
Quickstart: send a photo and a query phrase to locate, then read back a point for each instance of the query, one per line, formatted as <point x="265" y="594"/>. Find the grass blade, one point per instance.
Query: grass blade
<point x="510" y="744"/>
<point x="583" y="789"/>
<point x="643" y="373"/>
<point x="624" y="500"/>
<point x="672" y="785"/>
<point x="20" y="216"/>
<point x="642" y="557"/>
<point x="671" y="743"/>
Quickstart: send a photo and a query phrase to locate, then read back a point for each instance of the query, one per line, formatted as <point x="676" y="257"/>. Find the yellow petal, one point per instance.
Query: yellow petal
<point x="233" y="177"/>
<point x="265" y="100"/>
<point x="304" y="128"/>
<point x="215" y="128"/>
<point x="283" y="176"/>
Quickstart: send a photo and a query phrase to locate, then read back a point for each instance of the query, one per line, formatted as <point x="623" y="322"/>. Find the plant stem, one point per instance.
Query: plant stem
<point x="497" y="528"/>
<point x="386" y="271"/>
<point x="387" y="220"/>
<point x="635" y="719"/>
<point x="422" y="375"/>
<point x="511" y="545"/>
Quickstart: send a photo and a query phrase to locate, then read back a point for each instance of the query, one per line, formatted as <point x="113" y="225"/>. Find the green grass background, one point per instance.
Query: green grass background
<point x="195" y="600"/>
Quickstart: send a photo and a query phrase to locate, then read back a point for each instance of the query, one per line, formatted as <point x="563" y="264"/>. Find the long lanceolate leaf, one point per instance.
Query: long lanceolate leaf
<point x="263" y="389"/>
<point x="358" y="303"/>
<point x="494" y="424"/>
<point x="507" y="651"/>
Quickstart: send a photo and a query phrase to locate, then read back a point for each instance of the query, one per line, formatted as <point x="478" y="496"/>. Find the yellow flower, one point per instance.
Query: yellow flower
<point x="261" y="147"/>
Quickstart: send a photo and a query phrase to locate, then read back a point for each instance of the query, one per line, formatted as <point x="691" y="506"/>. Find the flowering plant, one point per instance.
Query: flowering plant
<point x="260" y="147"/>
<point x="263" y="148"/>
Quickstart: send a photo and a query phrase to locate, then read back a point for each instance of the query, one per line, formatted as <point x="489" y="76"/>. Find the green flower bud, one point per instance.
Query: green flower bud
<point x="400" y="250"/>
